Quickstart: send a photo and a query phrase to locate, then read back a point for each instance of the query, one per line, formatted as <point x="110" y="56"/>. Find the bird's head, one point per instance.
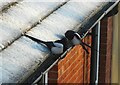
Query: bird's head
<point x="69" y="34"/>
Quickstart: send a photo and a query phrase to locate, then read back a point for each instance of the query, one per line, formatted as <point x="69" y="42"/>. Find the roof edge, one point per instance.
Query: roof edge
<point x="84" y="29"/>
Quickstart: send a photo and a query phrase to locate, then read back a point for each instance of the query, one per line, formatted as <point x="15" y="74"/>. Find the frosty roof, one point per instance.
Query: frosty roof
<point x="21" y="56"/>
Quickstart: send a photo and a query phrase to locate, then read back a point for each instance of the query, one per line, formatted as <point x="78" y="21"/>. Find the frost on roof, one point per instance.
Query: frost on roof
<point x="22" y="17"/>
<point x="19" y="59"/>
<point x="23" y="56"/>
<point x="65" y="18"/>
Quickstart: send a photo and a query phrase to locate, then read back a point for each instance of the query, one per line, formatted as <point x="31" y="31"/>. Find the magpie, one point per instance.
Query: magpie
<point x="76" y="39"/>
<point x="56" y="47"/>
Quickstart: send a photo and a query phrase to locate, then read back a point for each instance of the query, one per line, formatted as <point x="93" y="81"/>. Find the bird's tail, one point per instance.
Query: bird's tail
<point x="35" y="39"/>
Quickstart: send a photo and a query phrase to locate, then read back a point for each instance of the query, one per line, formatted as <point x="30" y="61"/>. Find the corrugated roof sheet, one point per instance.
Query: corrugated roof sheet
<point x="67" y="17"/>
<point x="22" y="17"/>
<point x="23" y="56"/>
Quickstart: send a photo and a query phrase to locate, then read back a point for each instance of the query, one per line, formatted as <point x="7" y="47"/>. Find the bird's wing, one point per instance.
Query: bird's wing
<point x="77" y="36"/>
<point x="56" y="50"/>
<point x="59" y="45"/>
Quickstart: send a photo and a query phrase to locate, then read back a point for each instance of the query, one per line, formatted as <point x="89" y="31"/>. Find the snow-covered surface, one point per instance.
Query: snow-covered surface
<point x="4" y="3"/>
<point x="65" y="18"/>
<point x="23" y="56"/>
<point x="19" y="59"/>
<point x="21" y="17"/>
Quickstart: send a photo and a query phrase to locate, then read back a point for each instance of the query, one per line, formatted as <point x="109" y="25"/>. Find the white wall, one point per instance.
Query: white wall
<point x="116" y="47"/>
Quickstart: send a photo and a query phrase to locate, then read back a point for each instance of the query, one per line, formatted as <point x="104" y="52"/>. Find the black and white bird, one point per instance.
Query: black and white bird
<point x="76" y="39"/>
<point x="56" y="47"/>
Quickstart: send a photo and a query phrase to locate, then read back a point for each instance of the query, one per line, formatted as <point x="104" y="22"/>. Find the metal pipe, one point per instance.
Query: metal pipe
<point x="98" y="53"/>
<point x="95" y="60"/>
<point x="95" y="54"/>
<point x="93" y="71"/>
<point x="108" y="10"/>
<point x="46" y="78"/>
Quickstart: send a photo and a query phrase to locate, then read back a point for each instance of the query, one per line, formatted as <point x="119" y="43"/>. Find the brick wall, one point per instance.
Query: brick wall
<point x="105" y="50"/>
<point x="74" y="68"/>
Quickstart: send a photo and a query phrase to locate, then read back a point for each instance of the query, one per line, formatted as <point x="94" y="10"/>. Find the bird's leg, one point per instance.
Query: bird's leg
<point x="86" y="45"/>
<point x="83" y="46"/>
